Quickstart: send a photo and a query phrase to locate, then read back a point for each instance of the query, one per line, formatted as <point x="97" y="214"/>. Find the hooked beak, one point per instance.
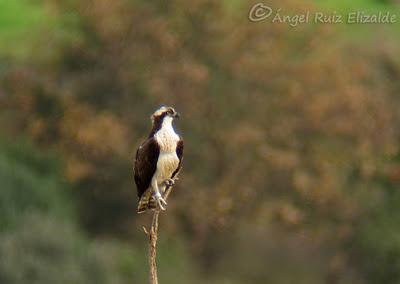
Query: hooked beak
<point x="177" y="115"/>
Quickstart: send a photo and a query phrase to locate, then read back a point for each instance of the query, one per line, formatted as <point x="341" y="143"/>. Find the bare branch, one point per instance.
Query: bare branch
<point x="153" y="248"/>
<point x="153" y="239"/>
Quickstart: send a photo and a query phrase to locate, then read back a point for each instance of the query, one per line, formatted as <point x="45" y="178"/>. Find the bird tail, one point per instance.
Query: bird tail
<point x="146" y="202"/>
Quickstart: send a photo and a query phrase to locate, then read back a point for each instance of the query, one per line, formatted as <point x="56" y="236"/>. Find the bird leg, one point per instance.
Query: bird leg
<point x="160" y="201"/>
<point x="157" y="195"/>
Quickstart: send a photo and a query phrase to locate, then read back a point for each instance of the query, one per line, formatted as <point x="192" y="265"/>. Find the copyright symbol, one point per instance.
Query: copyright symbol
<point x="259" y="12"/>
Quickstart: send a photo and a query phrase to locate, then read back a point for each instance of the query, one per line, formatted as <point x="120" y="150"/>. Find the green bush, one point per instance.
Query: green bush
<point x="377" y="238"/>
<point x="45" y="250"/>
<point x="42" y="243"/>
<point x="30" y="181"/>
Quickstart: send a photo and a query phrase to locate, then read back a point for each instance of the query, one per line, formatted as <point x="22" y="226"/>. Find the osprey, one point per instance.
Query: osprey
<point x="158" y="160"/>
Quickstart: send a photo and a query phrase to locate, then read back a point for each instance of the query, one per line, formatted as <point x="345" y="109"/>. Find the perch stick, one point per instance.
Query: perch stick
<point x="153" y="248"/>
<point x="153" y="239"/>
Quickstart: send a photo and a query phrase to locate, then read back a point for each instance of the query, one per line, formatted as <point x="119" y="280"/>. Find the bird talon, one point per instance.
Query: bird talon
<point x="160" y="201"/>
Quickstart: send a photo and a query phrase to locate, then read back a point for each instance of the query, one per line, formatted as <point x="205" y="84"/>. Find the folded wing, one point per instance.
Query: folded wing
<point x="145" y="164"/>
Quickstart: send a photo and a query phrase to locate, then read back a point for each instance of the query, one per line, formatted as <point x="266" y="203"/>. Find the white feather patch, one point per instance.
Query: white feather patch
<point x="168" y="161"/>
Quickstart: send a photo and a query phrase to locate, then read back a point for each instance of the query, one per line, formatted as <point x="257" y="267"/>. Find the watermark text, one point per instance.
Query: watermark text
<point x="261" y="12"/>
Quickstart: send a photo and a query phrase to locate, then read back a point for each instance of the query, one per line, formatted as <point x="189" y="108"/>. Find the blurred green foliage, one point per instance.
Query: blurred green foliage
<point x="377" y="238"/>
<point x="30" y="183"/>
<point x="20" y="21"/>
<point x="291" y="171"/>
<point x="40" y="241"/>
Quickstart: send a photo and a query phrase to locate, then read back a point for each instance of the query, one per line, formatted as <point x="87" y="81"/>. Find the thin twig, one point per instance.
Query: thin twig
<point x="153" y="248"/>
<point x="153" y="239"/>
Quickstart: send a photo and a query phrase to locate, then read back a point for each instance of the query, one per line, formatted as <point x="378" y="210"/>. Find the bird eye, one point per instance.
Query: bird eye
<point x="170" y="111"/>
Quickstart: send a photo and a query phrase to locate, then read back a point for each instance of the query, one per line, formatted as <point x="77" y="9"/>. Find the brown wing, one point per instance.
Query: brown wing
<point x="145" y="164"/>
<point x="179" y="153"/>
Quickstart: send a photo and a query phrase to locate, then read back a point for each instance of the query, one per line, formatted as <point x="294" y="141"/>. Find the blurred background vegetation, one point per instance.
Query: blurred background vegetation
<point x="292" y="159"/>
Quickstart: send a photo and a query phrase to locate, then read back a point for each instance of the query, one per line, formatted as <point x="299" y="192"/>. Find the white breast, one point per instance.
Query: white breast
<point x="166" y="165"/>
<point x="166" y="137"/>
<point x="168" y="161"/>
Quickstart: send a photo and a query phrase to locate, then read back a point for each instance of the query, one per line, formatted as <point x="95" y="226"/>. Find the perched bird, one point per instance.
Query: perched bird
<point x="158" y="160"/>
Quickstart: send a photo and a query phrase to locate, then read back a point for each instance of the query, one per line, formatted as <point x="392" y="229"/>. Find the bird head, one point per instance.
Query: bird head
<point x="164" y="112"/>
